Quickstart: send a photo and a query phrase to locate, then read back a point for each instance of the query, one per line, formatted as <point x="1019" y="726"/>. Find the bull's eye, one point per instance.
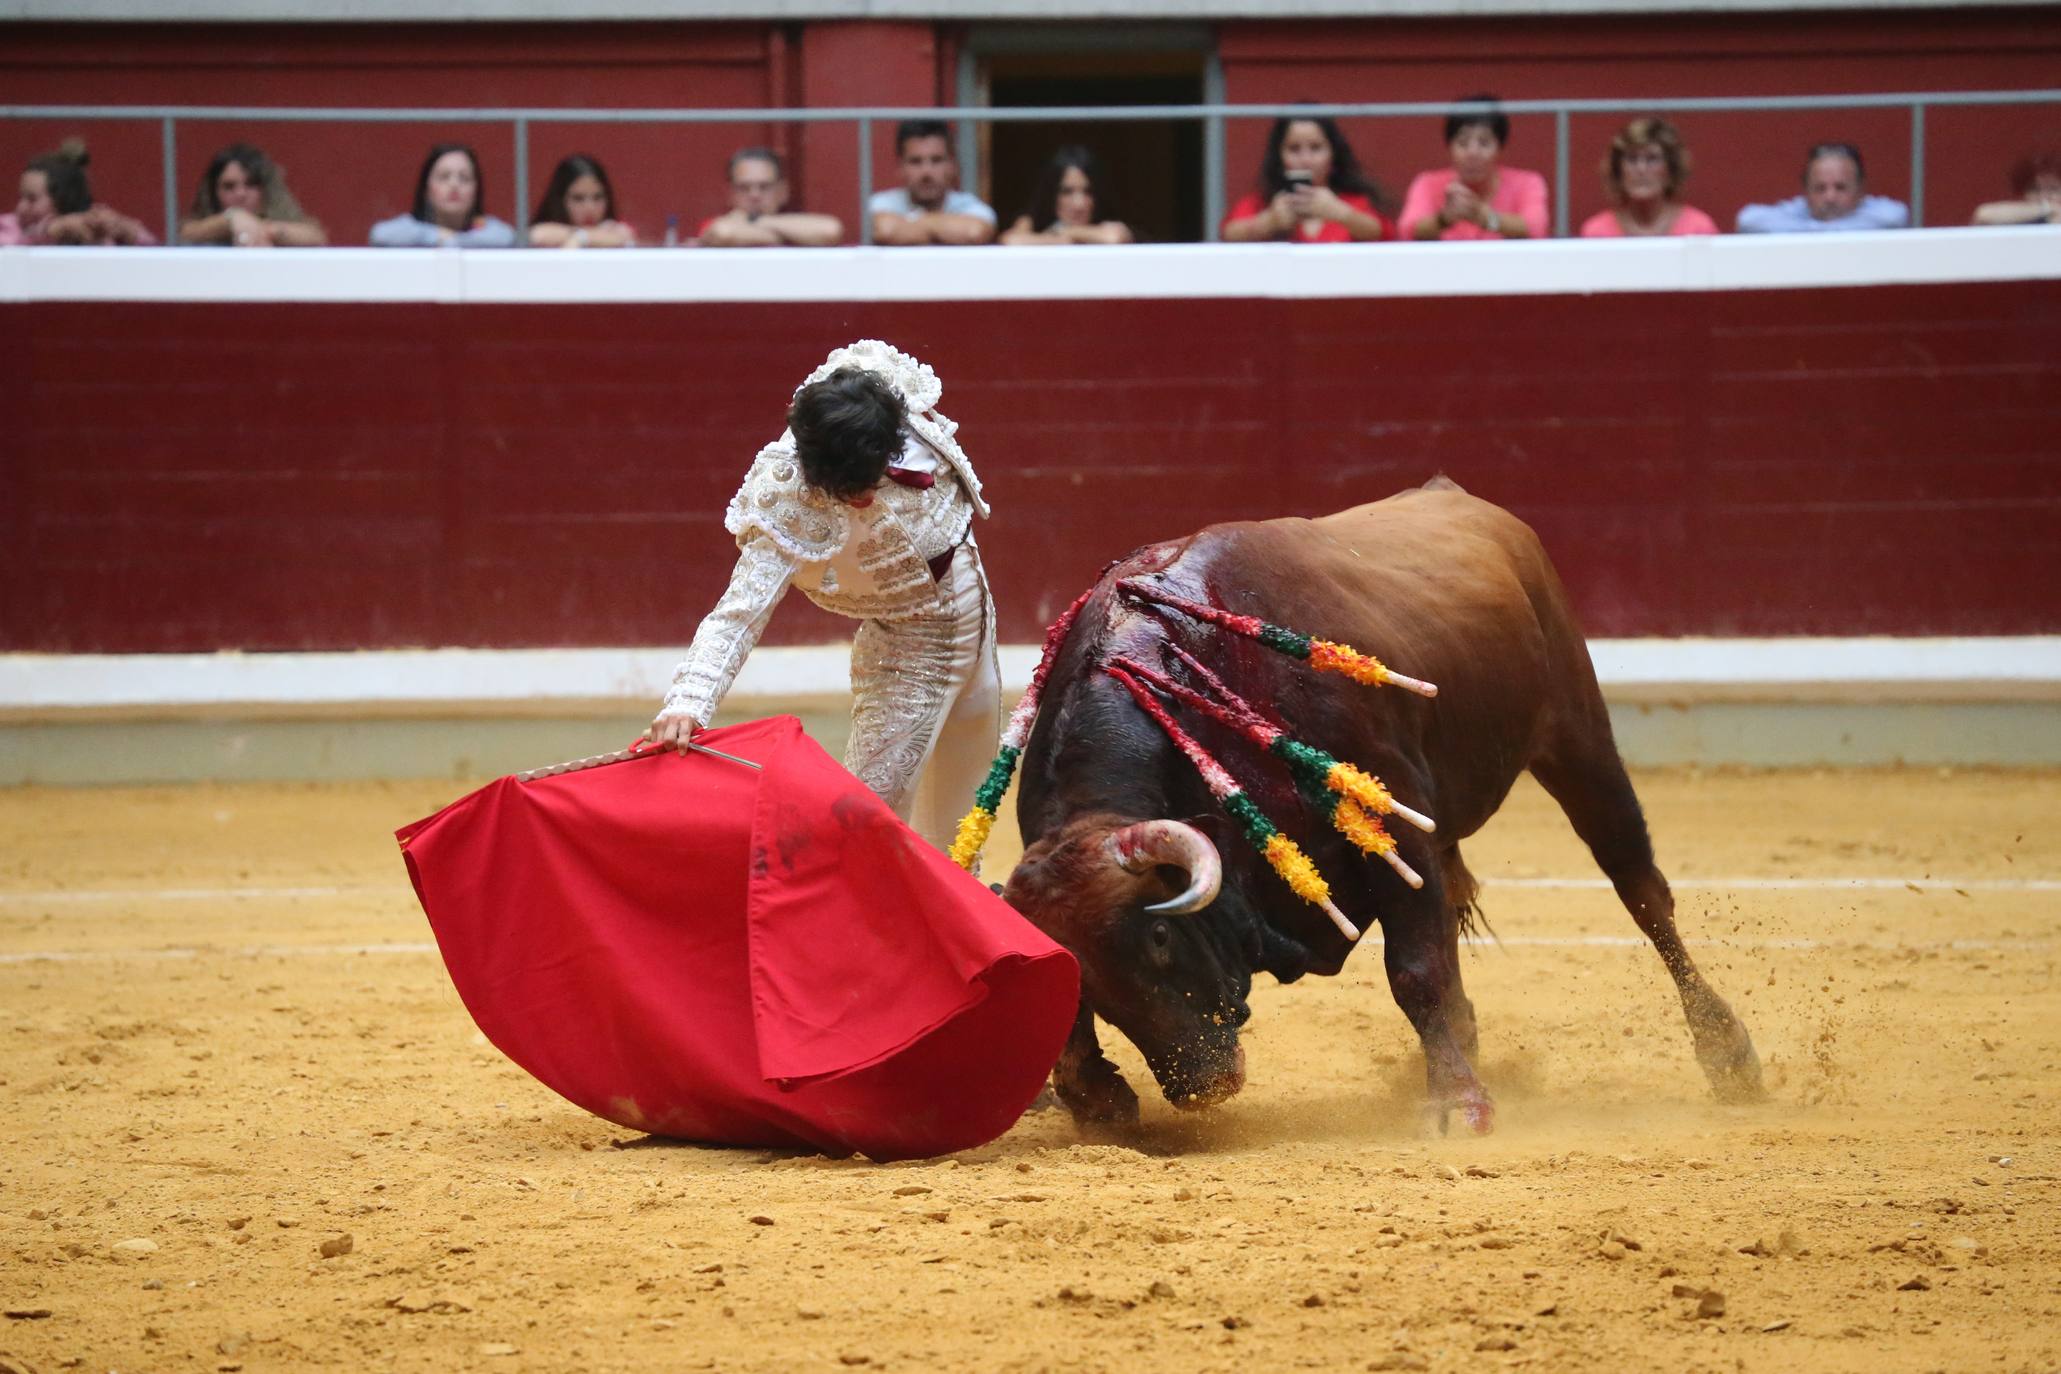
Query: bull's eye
<point x="1162" y="943"/>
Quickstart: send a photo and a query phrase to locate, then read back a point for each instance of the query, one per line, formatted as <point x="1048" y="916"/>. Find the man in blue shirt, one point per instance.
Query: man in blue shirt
<point x="926" y="207"/>
<point x="1834" y="198"/>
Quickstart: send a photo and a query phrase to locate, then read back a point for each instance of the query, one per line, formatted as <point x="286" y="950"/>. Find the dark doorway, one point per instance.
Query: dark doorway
<point x="1154" y="166"/>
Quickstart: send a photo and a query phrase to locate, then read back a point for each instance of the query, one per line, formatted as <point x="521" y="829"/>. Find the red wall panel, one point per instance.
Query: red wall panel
<point x="191" y="477"/>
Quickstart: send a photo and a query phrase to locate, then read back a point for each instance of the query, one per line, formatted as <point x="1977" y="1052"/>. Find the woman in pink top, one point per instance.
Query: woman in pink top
<point x="1477" y="197"/>
<point x="1644" y="174"/>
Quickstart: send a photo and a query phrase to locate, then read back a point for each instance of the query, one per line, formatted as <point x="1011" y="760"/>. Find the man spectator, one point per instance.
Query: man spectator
<point x="927" y="207"/>
<point x="1834" y="198"/>
<point x="758" y="216"/>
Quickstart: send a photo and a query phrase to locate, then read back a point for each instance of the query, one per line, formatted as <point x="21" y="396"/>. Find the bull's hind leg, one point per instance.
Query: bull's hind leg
<point x="1420" y="949"/>
<point x="1592" y="789"/>
<point x="1461" y="891"/>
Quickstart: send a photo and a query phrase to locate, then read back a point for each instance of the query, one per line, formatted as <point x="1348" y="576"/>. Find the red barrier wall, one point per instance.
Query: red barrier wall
<point x="192" y="477"/>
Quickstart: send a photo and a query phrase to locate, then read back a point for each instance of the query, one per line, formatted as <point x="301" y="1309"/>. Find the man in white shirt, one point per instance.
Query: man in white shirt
<point x="927" y="207"/>
<point x="1833" y="199"/>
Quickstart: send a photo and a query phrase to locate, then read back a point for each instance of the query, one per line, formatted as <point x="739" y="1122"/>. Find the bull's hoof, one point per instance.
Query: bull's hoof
<point x="1727" y="1055"/>
<point x="1476" y="1111"/>
<point x="1102" y="1099"/>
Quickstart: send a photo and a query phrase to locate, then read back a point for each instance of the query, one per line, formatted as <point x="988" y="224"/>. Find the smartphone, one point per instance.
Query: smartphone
<point x="1298" y="178"/>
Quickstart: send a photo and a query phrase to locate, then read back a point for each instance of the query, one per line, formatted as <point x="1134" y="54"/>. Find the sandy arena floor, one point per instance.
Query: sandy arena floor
<point x="226" y="1043"/>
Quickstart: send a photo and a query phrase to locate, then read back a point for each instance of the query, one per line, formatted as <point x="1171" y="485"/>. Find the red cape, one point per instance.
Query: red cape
<point x="687" y="947"/>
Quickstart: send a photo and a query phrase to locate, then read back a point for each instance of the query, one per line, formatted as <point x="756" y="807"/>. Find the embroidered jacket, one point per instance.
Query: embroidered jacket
<point x="870" y="563"/>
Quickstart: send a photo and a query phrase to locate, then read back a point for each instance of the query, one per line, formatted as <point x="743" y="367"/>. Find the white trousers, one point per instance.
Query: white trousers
<point x="927" y="703"/>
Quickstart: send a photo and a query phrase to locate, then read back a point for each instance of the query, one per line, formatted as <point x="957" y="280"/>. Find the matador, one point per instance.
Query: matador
<point x="866" y="503"/>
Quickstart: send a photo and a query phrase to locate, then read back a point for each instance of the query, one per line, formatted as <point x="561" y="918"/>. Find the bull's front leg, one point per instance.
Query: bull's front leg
<point x="1087" y="1082"/>
<point x="1424" y="975"/>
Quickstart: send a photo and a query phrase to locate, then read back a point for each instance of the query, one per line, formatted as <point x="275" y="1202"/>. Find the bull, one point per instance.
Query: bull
<point x="1130" y="865"/>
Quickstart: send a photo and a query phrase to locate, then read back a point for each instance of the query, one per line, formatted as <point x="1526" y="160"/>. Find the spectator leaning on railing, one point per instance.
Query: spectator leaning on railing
<point x="926" y="207"/>
<point x="56" y="206"/>
<point x="1834" y="198"/>
<point x="448" y="197"/>
<point x="242" y="201"/>
<point x="1477" y="197"/>
<point x="1644" y="172"/>
<point x="578" y="209"/>
<point x="2036" y="181"/>
<point x="1311" y="191"/>
<point x="1070" y="205"/>
<point x="758" y="216"/>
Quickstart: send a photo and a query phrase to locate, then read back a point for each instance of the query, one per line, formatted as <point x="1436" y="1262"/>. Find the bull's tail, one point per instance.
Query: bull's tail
<point x="1463" y="896"/>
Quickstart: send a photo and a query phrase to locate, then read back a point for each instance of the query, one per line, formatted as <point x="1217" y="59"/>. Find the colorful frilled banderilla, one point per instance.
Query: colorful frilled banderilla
<point x="975" y="825"/>
<point x="1281" y="853"/>
<point x="1350" y="799"/>
<point x="1322" y="654"/>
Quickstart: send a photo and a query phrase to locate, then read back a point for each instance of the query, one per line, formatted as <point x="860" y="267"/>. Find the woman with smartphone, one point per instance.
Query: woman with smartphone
<point x="1311" y="191"/>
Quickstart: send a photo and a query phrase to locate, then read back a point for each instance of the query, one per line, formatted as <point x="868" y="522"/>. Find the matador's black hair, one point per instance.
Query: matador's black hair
<point x="847" y="429"/>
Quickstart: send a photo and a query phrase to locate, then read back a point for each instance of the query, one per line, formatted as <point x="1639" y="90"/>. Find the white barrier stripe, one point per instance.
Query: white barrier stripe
<point x="1175" y="271"/>
<point x="620" y="682"/>
<point x="72" y="956"/>
<point x="61" y="896"/>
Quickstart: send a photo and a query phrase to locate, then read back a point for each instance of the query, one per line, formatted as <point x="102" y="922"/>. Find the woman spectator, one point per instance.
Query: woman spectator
<point x="2036" y="181"/>
<point x="242" y="201"/>
<point x="1644" y="174"/>
<point x="1477" y="197"/>
<point x="56" y="206"/>
<point x="1311" y="191"/>
<point x="448" y="197"/>
<point x="578" y="209"/>
<point x="1070" y="205"/>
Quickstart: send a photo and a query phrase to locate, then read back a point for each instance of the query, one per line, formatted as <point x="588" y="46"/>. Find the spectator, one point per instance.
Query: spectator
<point x="1477" y="197"/>
<point x="242" y="201"/>
<point x="2036" y="181"/>
<point x="926" y="207"/>
<point x="758" y="216"/>
<point x="1070" y="205"/>
<point x="1644" y="174"/>
<point x="1311" y="191"/>
<point x="578" y="209"/>
<point x="448" y="197"/>
<point x="1834" y="198"/>
<point x="56" y="206"/>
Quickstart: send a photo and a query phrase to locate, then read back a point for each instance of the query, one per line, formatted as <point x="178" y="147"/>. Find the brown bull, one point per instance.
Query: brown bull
<point x="1130" y="864"/>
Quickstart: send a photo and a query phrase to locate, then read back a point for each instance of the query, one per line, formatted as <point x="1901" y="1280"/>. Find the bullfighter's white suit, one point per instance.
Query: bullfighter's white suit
<point x="926" y="685"/>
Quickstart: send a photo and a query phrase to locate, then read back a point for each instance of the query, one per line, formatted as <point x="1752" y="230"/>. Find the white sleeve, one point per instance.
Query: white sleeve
<point x="730" y="631"/>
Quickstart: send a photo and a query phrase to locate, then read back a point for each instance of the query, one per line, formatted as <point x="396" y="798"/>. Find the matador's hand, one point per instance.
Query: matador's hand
<point x="673" y="732"/>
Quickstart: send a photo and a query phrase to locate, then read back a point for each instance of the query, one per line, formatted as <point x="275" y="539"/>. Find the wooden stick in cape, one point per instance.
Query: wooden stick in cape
<point x="1282" y="854"/>
<point x="1324" y="655"/>
<point x="1342" y="794"/>
<point x="975" y="825"/>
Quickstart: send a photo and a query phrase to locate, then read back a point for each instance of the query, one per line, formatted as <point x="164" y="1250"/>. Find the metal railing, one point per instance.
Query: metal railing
<point x="1212" y="117"/>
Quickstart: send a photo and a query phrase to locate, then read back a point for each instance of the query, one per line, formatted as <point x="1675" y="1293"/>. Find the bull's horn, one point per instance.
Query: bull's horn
<point x="1176" y="844"/>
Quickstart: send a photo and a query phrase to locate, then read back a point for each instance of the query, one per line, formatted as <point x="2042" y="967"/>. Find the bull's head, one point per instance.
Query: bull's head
<point x="1128" y="899"/>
